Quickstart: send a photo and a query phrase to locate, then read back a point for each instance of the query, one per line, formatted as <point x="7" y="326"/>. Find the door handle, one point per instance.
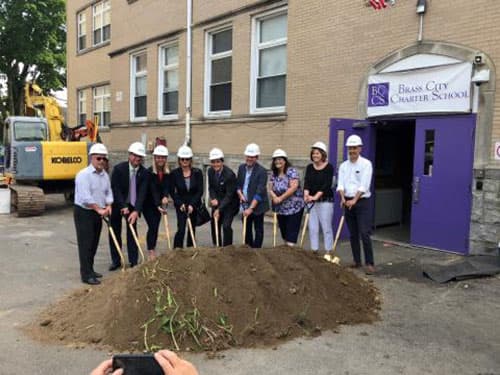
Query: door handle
<point x="416" y="189"/>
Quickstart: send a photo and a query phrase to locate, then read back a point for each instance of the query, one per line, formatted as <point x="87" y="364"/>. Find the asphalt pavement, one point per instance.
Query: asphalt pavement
<point x="425" y="328"/>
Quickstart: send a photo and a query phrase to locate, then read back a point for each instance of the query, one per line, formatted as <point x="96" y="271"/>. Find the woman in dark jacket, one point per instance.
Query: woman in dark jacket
<point x="156" y="201"/>
<point x="186" y="190"/>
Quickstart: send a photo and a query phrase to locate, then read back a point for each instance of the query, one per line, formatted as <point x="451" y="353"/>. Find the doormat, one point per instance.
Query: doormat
<point x="464" y="268"/>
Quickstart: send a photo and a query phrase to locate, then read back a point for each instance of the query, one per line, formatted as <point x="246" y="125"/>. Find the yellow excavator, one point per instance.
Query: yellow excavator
<point x="42" y="154"/>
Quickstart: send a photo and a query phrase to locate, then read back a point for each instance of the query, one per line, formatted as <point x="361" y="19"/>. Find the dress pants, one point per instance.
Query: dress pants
<point x="88" y="226"/>
<point x="359" y="222"/>
<point x="225" y="222"/>
<point x="182" y="229"/>
<point x="116" y="223"/>
<point x="257" y="222"/>
<point x="153" y="219"/>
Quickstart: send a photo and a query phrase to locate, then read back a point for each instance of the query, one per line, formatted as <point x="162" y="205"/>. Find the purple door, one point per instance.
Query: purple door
<point x="442" y="178"/>
<point x="340" y="129"/>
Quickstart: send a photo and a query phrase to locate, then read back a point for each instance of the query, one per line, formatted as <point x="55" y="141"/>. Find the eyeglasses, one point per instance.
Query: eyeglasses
<point x="100" y="158"/>
<point x="184" y="159"/>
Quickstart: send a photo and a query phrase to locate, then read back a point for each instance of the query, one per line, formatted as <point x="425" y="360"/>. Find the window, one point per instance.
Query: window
<point x="218" y="75"/>
<point x="102" y="105"/>
<point x="139" y="85"/>
<point x="82" y="107"/>
<point x="102" y="21"/>
<point x="269" y="63"/>
<point x="82" y="31"/>
<point x="169" y="81"/>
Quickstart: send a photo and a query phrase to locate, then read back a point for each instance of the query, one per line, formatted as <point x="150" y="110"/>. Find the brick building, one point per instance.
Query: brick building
<point x="276" y="73"/>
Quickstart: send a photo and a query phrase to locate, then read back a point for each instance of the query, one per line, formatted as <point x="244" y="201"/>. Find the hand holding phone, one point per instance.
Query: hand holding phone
<point x="137" y="364"/>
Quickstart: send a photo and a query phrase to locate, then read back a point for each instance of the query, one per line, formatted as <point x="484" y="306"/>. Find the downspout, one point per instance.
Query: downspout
<point x="189" y="70"/>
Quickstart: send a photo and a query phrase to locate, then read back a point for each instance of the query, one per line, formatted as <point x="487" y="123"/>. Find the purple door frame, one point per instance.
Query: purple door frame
<point x="367" y="133"/>
<point x="442" y="197"/>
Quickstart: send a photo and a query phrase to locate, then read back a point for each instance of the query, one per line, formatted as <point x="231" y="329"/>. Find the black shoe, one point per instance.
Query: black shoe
<point x="91" y="281"/>
<point x="97" y="275"/>
<point x="114" y="267"/>
<point x="132" y="265"/>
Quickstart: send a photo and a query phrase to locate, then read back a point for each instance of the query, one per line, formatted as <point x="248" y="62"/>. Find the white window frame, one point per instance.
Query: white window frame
<point x="105" y="6"/>
<point x="208" y="71"/>
<point x="81" y="26"/>
<point x="133" y="76"/>
<point x="82" y="105"/>
<point x="161" y="69"/>
<point x="104" y="97"/>
<point x="254" y="68"/>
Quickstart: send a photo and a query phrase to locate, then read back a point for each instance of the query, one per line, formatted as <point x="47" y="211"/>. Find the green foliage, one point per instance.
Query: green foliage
<point x="32" y="46"/>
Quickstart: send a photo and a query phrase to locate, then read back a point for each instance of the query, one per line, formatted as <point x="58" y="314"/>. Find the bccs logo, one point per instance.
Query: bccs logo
<point x="378" y="94"/>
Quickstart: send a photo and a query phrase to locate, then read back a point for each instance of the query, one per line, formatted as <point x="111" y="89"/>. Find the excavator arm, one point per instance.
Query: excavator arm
<point x="37" y="104"/>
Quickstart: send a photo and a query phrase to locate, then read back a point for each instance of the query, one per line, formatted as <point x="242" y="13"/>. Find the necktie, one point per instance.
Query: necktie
<point x="133" y="189"/>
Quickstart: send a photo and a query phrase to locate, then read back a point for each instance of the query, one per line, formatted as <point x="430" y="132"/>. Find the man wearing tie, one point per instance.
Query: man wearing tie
<point x="129" y="184"/>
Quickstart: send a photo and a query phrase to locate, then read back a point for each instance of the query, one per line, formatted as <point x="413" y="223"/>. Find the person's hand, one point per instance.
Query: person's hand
<point x="182" y="208"/>
<point x="214" y="203"/>
<point x="132" y="218"/>
<point x="124" y="211"/>
<point x="173" y="365"/>
<point x="108" y="211"/>
<point x="162" y="210"/>
<point x="248" y="212"/>
<point x="307" y="198"/>
<point x="342" y="203"/>
<point x="276" y="200"/>
<point x="105" y="368"/>
<point x="190" y="210"/>
<point x="350" y="203"/>
<point x="216" y="214"/>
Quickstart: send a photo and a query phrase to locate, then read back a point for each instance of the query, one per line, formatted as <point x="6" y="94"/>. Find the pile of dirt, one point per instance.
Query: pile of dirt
<point x="211" y="299"/>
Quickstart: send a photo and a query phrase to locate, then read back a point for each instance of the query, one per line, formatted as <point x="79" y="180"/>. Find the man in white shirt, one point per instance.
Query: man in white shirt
<point x="354" y="179"/>
<point x="93" y="199"/>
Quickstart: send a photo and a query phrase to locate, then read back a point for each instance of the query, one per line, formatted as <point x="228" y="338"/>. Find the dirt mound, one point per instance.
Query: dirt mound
<point x="211" y="299"/>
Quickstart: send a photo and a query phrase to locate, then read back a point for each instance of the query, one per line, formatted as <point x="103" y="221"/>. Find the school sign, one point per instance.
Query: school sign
<point x="441" y="89"/>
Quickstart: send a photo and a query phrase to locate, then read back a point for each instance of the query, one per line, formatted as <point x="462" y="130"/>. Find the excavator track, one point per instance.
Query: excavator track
<point x="27" y="200"/>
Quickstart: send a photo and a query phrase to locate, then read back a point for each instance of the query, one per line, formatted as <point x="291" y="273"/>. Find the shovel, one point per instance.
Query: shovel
<point x="309" y="206"/>
<point x="244" y="231"/>
<point x="331" y="258"/>
<point x="136" y="239"/>
<point x="275" y="225"/>
<point x="167" y="230"/>
<point x="191" y="232"/>
<point x="216" y="223"/>
<point x="115" y="241"/>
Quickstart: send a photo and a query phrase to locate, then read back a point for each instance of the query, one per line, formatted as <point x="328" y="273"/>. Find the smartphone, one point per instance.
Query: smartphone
<point x="137" y="364"/>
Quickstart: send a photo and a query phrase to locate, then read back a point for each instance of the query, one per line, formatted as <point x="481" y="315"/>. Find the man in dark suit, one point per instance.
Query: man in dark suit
<point x="252" y="191"/>
<point x="129" y="182"/>
<point x="223" y="197"/>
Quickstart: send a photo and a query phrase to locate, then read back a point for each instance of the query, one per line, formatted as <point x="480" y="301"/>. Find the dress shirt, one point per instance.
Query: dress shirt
<point x="92" y="187"/>
<point x="355" y="177"/>
<point x="248" y="174"/>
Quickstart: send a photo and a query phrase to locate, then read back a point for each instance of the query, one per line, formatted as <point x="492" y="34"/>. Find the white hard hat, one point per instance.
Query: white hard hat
<point x="160" y="151"/>
<point x="185" y="152"/>
<point x="215" y="154"/>
<point x="320" y="145"/>
<point x="252" y="149"/>
<point x="98" y="148"/>
<point x="353" y="141"/>
<point x="279" y="153"/>
<point x="137" y="148"/>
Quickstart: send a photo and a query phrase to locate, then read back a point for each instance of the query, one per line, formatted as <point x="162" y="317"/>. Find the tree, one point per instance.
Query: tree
<point x="32" y="46"/>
